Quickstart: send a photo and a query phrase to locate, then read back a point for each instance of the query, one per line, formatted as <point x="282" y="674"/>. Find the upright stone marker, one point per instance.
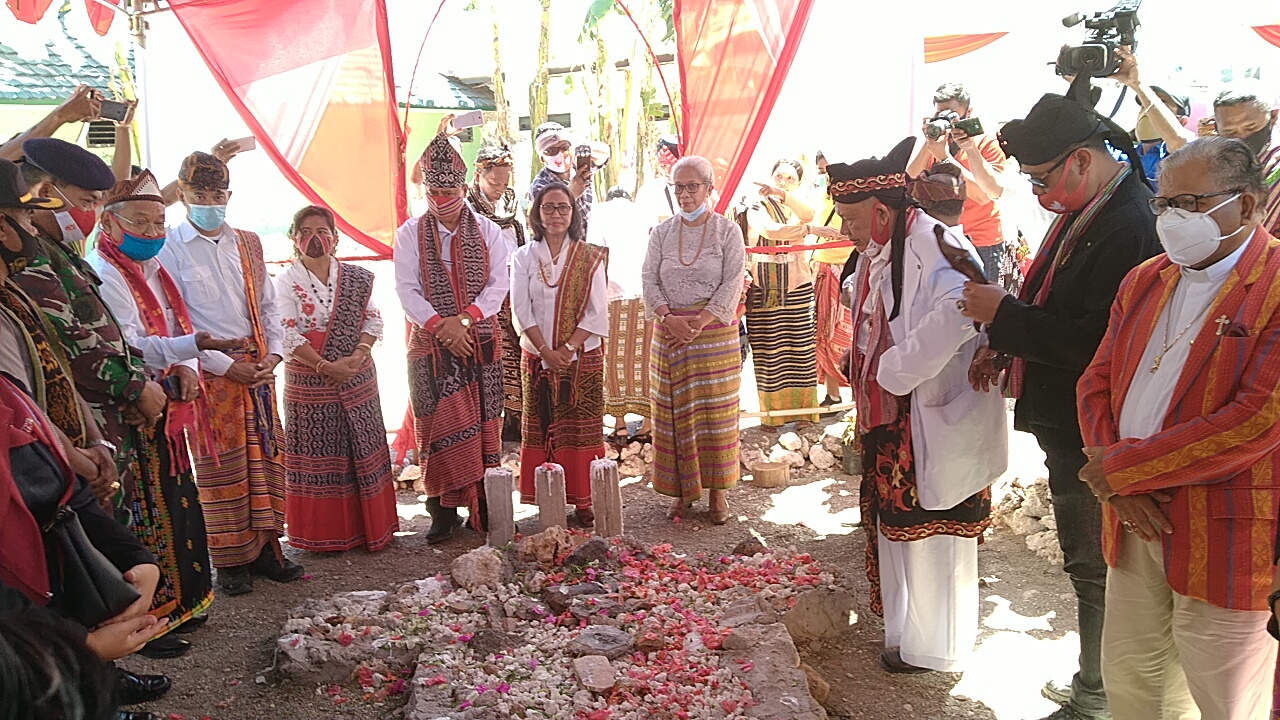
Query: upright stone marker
<point x="606" y="498"/>
<point x="498" y="486"/>
<point x="548" y="484"/>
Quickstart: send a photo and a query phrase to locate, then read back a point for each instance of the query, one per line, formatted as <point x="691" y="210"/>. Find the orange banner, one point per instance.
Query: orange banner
<point x="1270" y="33"/>
<point x="944" y="47"/>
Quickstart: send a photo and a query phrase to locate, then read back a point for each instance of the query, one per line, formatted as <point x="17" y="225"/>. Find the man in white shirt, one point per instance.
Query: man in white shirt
<point x="1181" y="426"/>
<point x="451" y="276"/>
<point x="223" y="281"/>
<point x="153" y="317"/>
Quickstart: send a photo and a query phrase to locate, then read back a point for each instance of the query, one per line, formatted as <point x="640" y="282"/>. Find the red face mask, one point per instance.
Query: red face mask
<point x="1058" y="200"/>
<point x="85" y="219"/>
<point x="444" y="207"/>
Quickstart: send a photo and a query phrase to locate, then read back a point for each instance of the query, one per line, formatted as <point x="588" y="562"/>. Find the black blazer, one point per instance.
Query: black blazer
<point x="1059" y="340"/>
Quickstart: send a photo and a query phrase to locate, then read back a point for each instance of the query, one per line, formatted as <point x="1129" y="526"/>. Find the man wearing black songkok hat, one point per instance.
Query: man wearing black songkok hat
<point x="1052" y="329"/>
<point x="929" y="450"/>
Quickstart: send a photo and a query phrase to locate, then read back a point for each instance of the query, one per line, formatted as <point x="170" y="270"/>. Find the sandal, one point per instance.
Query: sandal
<point x="643" y="438"/>
<point x="618" y="438"/>
<point x="678" y="509"/>
<point x="719" y="516"/>
<point x="585" y="517"/>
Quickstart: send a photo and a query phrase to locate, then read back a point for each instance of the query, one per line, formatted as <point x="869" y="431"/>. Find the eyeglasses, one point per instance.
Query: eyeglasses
<point x="1185" y="201"/>
<point x="151" y="229"/>
<point x="1038" y="180"/>
<point x="682" y="188"/>
<point x="322" y="232"/>
<point x="557" y="209"/>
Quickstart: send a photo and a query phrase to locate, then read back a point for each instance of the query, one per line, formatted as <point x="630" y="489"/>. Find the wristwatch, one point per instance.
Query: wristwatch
<point x="465" y="319"/>
<point x="572" y="348"/>
<point x="101" y="443"/>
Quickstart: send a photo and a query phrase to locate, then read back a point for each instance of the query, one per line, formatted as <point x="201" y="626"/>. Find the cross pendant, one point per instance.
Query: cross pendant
<point x="1155" y="366"/>
<point x="1222" y="322"/>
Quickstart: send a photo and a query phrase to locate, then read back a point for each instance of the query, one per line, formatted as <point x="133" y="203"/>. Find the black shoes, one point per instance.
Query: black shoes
<point x="133" y="689"/>
<point x="235" y="580"/>
<point x="169" y="646"/>
<point x="136" y="715"/>
<point x="891" y="661"/>
<point x="192" y="624"/>
<point x="280" y="570"/>
<point x="443" y="521"/>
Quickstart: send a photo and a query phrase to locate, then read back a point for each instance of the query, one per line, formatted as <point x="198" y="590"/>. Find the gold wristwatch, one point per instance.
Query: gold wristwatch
<point x="572" y="347"/>
<point x="465" y="319"/>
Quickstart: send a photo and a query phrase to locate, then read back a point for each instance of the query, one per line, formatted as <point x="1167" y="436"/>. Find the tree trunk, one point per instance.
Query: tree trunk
<point x="644" y="131"/>
<point x="608" y="175"/>
<point x="538" y="88"/>
<point x="502" y="108"/>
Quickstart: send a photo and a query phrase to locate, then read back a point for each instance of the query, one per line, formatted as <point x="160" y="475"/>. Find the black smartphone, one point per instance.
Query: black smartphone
<point x="170" y="385"/>
<point x="113" y="110"/>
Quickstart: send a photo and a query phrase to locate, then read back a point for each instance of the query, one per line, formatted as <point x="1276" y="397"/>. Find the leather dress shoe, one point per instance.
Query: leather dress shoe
<point x="136" y="715"/>
<point x="132" y="689"/>
<point x="272" y="569"/>
<point x="192" y="624"/>
<point x="891" y="661"/>
<point x="235" y="580"/>
<point x="169" y="646"/>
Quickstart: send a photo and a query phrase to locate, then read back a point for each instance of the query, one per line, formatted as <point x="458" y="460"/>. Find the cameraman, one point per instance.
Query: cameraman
<point x="981" y="161"/>
<point x="1161" y="127"/>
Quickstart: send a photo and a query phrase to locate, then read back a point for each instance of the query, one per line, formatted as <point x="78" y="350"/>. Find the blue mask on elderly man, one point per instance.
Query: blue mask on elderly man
<point x="140" y="248"/>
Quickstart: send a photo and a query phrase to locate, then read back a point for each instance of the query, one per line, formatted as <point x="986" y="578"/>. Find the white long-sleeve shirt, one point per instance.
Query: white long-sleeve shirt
<point x="207" y="272"/>
<point x="1150" y="393"/>
<point x="159" y="353"/>
<point x="533" y="300"/>
<point x="409" y="276"/>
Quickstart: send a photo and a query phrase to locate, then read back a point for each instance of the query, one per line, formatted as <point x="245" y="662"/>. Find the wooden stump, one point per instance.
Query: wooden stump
<point x="606" y="498"/>
<point x="771" y="474"/>
<point x="548" y="484"/>
<point x="498" y="486"/>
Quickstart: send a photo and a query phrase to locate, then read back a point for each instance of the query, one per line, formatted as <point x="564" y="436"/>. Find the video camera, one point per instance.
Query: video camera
<point x="939" y="124"/>
<point x="1107" y="31"/>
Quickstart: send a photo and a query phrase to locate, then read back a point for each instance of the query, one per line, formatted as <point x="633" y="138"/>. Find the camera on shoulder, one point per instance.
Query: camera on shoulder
<point x="1107" y="31"/>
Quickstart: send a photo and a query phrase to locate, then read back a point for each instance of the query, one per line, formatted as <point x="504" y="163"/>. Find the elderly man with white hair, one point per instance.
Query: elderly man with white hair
<point x="692" y="283"/>
<point x="1181" y="425"/>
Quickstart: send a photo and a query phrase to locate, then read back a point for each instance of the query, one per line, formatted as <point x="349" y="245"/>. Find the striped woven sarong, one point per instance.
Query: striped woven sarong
<point x="784" y="352"/>
<point x="242" y="490"/>
<point x="511" y="389"/>
<point x="835" y="324"/>
<point x="695" y="411"/>
<point x="626" y="364"/>
<point x="561" y="423"/>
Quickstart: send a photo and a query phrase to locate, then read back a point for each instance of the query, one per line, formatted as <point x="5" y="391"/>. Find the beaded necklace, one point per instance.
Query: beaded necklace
<point x="701" y="243"/>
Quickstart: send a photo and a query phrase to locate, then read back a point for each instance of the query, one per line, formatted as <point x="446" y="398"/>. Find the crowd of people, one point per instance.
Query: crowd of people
<point x="138" y="374"/>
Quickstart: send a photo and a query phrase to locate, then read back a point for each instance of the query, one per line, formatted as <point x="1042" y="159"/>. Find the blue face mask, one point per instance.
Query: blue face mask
<point x="692" y="216"/>
<point x="207" y="217"/>
<point x="140" y="248"/>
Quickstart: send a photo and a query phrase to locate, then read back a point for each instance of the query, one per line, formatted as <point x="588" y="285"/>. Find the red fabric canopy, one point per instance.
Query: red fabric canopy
<point x="733" y="57"/>
<point x="318" y="94"/>
<point x="100" y="16"/>
<point x="29" y="11"/>
<point x="1270" y="33"/>
<point x="944" y="47"/>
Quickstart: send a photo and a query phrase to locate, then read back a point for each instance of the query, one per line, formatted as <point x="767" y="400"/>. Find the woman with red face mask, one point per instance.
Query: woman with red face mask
<point x="338" y="485"/>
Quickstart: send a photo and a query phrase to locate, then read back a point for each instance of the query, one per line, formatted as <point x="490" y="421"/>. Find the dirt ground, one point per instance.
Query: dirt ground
<point x="1027" y="611"/>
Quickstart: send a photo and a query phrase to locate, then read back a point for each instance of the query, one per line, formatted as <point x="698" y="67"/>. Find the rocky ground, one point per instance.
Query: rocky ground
<point x="1027" y="634"/>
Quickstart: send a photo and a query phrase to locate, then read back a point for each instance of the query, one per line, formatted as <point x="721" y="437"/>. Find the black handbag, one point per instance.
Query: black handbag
<point x="94" y="590"/>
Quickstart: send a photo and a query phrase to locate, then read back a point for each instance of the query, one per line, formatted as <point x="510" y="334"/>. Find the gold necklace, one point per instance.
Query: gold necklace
<point x="1155" y="364"/>
<point x="701" y="243"/>
<point x="542" y="267"/>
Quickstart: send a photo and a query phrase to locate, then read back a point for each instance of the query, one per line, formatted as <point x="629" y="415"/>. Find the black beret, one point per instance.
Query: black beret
<point x="1054" y="125"/>
<point x="69" y="163"/>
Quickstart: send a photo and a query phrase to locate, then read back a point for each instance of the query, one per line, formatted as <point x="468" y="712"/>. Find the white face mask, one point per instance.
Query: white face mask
<point x="695" y="214"/>
<point x="1189" y="238"/>
<point x="557" y="163"/>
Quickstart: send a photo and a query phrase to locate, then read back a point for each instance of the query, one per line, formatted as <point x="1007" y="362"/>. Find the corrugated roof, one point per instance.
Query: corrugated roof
<point x="434" y="90"/>
<point x="50" y="79"/>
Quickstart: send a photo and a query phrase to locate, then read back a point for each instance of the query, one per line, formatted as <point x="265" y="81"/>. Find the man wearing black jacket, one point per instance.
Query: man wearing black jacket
<point x="1051" y="331"/>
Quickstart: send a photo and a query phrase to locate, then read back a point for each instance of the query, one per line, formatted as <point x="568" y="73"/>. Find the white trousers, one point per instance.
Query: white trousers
<point x="1166" y="656"/>
<point x="930" y="593"/>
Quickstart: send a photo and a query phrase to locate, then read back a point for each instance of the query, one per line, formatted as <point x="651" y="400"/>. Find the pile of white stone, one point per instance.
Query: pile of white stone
<point x="819" y="447"/>
<point x="561" y="627"/>
<point x="1025" y="509"/>
<point x="634" y="459"/>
